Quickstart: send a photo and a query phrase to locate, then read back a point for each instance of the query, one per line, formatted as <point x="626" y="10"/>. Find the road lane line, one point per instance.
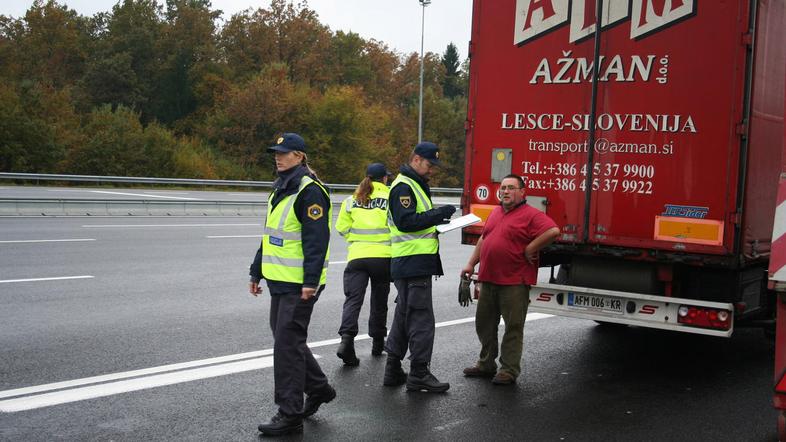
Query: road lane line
<point x="133" y="373"/>
<point x="46" y="240"/>
<point x="147" y="195"/>
<point x="233" y="236"/>
<point x="44" y="395"/>
<point x="59" y="278"/>
<point x="166" y="225"/>
<point x="160" y="380"/>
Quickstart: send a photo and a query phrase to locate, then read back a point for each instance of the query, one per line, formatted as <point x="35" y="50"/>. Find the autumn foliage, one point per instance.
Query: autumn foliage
<point x="175" y="90"/>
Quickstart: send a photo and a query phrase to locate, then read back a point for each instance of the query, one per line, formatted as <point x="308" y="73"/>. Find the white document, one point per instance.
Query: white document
<point x="457" y="223"/>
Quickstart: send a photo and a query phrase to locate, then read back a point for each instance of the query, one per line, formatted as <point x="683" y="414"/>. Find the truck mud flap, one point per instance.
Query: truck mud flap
<point x="676" y="314"/>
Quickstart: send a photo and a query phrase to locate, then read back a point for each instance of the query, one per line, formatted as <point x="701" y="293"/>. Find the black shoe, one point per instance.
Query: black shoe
<point x="315" y="400"/>
<point x="394" y="374"/>
<point x="427" y="383"/>
<point x="346" y="351"/>
<point x="378" y="346"/>
<point x="282" y="424"/>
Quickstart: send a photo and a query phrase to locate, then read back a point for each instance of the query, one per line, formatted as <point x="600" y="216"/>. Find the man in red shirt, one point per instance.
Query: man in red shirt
<point x="508" y="254"/>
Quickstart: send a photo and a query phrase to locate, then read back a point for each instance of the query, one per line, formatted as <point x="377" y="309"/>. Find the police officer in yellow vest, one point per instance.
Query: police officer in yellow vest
<point x="363" y="222"/>
<point x="293" y="258"/>
<point x="415" y="258"/>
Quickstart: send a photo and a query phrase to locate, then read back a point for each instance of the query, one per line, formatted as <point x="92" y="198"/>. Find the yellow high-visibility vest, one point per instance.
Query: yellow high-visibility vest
<point x="422" y="242"/>
<point x="366" y="227"/>
<point x="282" y="244"/>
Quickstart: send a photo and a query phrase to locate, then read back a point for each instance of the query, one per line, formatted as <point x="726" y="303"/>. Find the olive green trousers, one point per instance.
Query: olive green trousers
<point x="509" y="302"/>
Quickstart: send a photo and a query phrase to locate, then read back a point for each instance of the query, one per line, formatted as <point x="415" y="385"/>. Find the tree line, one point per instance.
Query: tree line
<point x="172" y="90"/>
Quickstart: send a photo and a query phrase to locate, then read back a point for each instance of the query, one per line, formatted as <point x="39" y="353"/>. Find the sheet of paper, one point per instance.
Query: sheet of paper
<point x="457" y="223"/>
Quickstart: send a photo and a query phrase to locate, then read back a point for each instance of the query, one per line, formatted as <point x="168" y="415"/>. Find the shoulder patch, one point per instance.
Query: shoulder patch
<point x="405" y="201"/>
<point x="315" y="211"/>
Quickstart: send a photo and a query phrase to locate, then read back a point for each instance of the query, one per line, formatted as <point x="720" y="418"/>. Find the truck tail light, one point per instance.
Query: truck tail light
<point x="704" y="317"/>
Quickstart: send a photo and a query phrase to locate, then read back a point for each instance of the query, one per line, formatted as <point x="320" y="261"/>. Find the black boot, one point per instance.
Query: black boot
<point x="421" y="379"/>
<point x="346" y="351"/>
<point x="282" y="424"/>
<point x="377" y="346"/>
<point x="315" y="400"/>
<point x="394" y="374"/>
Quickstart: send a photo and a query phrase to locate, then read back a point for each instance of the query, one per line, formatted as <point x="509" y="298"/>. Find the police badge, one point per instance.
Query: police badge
<point x="315" y="212"/>
<point x="405" y="201"/>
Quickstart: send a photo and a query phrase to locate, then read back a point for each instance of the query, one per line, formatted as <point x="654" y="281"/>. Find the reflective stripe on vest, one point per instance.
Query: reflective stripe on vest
<point x="366" y="228"/>
<point x="421" y="242"/>
<point x="282" y="245"/>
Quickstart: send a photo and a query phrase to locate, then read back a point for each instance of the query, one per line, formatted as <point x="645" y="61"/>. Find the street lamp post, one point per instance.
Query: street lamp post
<point x="423" y="3"/>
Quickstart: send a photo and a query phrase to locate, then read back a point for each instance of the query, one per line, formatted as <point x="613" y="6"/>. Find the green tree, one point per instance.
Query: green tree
<point x="113" y="144"/>
<point x="284" y="33"/>
<point x="248" y="116"/>
<point x="26" y="142"/>
<point x="122" y="69"/>
<point x="52" y="43"/>
<point x="188" y="51"/>
<point x="445" y="127"/>
<point x="38" y="124"/>
<point x="345" y="134"/>
<point x="451" y="86"/>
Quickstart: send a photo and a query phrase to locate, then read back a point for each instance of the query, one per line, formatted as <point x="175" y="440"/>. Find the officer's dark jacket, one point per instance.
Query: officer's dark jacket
<point x="315" y="233"/>
<point x="408" y="220"/>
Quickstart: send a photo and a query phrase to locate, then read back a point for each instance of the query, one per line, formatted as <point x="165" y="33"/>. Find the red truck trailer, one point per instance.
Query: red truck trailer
<point x="655" y="143"/>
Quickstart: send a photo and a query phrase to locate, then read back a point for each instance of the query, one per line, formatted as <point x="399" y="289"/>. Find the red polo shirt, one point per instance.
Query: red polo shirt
<point x="505" y="236"/>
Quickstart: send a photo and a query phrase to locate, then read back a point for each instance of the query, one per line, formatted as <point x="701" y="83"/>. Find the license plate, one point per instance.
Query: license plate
<point x="595" y="302"/>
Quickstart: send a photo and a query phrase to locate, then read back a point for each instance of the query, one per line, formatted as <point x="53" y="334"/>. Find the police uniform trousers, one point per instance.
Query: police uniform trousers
<point x="294" y="368"/>
<point x="356" y="277"/>
<point x="413" y="321"/>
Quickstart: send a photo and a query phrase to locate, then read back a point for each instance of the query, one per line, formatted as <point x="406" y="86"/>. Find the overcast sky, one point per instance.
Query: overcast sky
<point x="394" y="22"/>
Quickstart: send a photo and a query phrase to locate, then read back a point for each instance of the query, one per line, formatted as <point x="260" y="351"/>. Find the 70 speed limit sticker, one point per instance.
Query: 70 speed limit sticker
<point x="482" y="193"/>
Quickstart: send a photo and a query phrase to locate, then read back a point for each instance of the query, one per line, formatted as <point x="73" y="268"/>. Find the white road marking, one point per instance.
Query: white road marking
<point x="59" y="278"/>
<point x="46" y="395"/>
<point x="47" y="240"/>
<point x="233" y="236"/>
<point x="160" y="380"/>
<point x="166" y="225"/>
<point x="146" y="194"/>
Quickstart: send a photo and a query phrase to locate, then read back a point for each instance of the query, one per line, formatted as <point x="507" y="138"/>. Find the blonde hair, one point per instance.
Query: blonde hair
<point x="304" y="161"/>
<point x="363" y="191"/>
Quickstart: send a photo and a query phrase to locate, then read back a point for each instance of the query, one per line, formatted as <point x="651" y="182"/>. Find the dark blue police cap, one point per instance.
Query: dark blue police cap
<point x="377" y="170"/>
<point x="429" y="151"/>
<point x="288" y="142"/>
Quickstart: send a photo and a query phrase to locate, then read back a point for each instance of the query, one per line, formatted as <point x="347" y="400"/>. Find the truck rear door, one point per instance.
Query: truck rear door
<point x="652" y="146"/>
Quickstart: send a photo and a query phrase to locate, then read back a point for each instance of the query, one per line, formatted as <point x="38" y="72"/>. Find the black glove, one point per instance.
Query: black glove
<point x="446" y="211"/>
<point x="464" y="292"/>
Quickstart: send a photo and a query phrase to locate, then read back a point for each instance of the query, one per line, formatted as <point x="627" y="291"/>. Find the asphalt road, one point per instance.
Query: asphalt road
<point x="147" y="293"/>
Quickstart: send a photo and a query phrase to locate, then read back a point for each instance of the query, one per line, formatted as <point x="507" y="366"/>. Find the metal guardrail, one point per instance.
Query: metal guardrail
<point x="94" y="207"/>
<point x="178" y="181"/>
<point x="136" y="207"/>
